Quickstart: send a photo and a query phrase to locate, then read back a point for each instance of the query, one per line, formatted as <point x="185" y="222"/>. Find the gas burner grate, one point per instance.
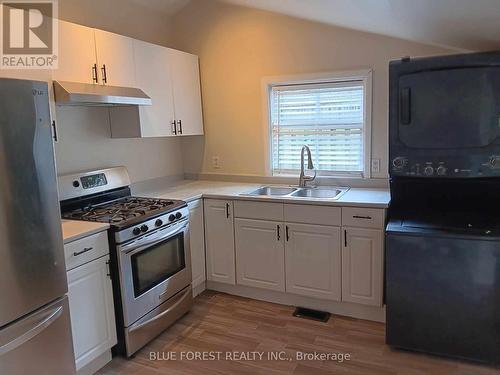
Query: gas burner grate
<point x="119" y="212"/>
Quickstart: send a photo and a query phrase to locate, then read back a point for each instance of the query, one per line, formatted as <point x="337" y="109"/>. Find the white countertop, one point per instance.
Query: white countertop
<point x="74" y="230"/>
<point x="189" y="190"/>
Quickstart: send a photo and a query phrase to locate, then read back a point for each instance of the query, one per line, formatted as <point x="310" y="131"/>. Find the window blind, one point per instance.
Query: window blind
<point x="328" y="117"/>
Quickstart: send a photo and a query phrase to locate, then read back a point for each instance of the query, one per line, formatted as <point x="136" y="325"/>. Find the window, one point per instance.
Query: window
<point x="330" y="116"/>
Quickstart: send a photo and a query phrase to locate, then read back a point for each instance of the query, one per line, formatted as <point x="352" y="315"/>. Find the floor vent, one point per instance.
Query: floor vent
<point x="319" y="316"/>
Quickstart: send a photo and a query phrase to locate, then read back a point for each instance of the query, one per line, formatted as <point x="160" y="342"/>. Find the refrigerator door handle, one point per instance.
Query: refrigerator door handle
<point x="14" y="340"/>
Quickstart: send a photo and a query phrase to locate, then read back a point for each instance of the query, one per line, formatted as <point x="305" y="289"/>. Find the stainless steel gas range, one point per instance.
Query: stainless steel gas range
<point x="150" y="255"/>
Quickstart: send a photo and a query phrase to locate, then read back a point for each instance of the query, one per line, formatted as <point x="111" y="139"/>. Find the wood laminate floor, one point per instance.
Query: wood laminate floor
<point x="224" y="323"/>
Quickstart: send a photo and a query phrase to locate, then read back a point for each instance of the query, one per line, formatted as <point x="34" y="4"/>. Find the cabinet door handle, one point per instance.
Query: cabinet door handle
<point x="104" y="74"/>
<point x="227" y="210"/>
<point x="180" y="126"/>
<point x="287" y="235"/>
<point x="174" y="128"/>
<point x="361" y="217"/>
<point x="108" y="267"/>
<point x="278" y="232"/>
<point x="94" y="74"/>
<point x="54" y="128"/>
<point x="86" y="249"/>
<point x="345" y="238"/>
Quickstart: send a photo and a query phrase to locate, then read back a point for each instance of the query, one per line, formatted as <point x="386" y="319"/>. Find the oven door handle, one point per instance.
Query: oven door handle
<point x="142" y="244"/>
<point x="180" y="299"/>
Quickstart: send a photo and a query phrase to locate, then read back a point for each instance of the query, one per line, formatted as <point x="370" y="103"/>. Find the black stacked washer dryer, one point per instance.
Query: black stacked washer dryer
<point x="443" y="234"/>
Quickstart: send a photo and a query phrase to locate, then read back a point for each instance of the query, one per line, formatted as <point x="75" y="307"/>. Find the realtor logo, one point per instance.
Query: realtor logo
<point x="29" y="34"/>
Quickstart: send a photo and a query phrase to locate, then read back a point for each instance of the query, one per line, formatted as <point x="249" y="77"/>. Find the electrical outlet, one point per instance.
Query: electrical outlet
<point x="375" y="165"/>
<point x="216" y="162"/>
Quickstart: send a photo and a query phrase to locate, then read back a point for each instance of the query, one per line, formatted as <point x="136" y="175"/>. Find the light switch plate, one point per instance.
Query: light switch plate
<point x="375" y="165"/>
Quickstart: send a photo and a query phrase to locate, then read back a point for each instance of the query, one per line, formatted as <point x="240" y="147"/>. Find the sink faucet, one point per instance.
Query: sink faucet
<point x="303" y="178"/>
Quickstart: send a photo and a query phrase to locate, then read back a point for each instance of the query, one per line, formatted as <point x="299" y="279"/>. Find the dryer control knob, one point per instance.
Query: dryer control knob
<point x="399" y="162"/>
<point x="428" y="171"/>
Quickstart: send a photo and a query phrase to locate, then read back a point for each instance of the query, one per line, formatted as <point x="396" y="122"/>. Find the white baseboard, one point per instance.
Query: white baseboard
<point x="97" y="364"/>
<point x="353" y="310"/>
<point x="198" y="289"/>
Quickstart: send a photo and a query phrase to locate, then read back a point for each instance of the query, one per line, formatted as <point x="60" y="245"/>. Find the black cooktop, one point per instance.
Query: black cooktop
<point x="125" y="211"/>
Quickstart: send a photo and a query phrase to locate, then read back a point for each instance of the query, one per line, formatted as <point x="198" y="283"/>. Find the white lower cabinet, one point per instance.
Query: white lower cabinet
<point x="219" y="241"/>
<point x="313" y="261"/>
<point x="260" y="254"/>
<point x="323" y="252"/>
<point x="92" y="312"/>
<point x="197" y="243"/>
<point x="362" y="266"/>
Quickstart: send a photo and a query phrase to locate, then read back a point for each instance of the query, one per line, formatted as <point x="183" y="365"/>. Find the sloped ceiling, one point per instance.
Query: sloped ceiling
<point x="461" y="24"/>
<point x="168" y="7"/>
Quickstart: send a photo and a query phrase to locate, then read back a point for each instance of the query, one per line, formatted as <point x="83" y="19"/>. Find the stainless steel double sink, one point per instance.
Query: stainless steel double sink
<point x="320" y="192"/>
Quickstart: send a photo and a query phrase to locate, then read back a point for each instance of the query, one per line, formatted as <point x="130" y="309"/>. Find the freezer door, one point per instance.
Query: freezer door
<point x="39" y="343"/>
<point x="32" y="271"/>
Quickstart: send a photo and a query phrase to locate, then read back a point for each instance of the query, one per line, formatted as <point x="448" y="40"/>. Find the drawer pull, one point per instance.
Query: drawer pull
<point x="361" y="217"/>
<point x="86" y="249"/>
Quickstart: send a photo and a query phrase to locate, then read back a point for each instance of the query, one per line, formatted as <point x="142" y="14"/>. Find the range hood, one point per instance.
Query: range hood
<point x="85" y="94"/>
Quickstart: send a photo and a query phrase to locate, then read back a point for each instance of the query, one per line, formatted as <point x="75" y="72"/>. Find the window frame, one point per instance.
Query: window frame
<point x="363" y="76"/>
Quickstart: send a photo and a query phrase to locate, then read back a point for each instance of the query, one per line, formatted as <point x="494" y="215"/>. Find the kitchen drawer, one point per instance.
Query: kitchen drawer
<point x="309" y="214"/>
<point x="258" y="210"/>
<point x="363" y="217"/>
<point x="86" y="249"/>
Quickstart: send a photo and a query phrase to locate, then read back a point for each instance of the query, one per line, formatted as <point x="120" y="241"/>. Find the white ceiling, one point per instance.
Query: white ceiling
<point x="462" y="24"/>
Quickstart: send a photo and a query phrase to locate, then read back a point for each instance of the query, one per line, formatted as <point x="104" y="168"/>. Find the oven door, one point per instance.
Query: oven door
<point x="153" y="269"/>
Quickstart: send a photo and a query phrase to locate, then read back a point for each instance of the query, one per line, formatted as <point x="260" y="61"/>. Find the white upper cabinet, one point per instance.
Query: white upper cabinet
<point x="185" y="74"/>
<point x="170" y="77"/>
<point x="77" y="55"/>
<point x="152" y="67"/>
<point x="115" y="59"/>
<point x="94" y="56"/>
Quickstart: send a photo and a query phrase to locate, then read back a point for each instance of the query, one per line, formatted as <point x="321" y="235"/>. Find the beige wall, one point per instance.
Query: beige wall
<point x="85" y="143"/>
<point x="84" y="135"/>
<point x="118" y="16"/>
<point x="239" y="46"/>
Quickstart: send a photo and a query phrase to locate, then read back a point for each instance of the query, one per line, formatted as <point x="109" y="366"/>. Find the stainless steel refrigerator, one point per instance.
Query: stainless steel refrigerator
<point x="35" y="330"/>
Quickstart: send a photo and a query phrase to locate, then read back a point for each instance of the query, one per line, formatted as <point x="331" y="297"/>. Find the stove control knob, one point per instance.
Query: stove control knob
<point x="428" y="171"/>
<point x="159" y="222"/>
<point x="144" y="228"/>
<point x="178" y="215"/>
<point x="441" y="170"/>
<point x="171" y="217"/>
<point x="136" y="231"/>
